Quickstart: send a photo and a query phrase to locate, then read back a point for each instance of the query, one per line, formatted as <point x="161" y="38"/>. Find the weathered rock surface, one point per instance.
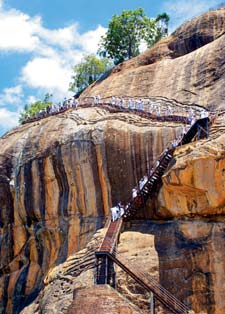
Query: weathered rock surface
<point x="191" y="262"/>
<point x="188" y="66"/>
<point x="101" y="299"/>
<point x="59" y="176"/>
<point x="195" y="184"/>
<point x="187" y="256"/>
<point x="136" y="245"/>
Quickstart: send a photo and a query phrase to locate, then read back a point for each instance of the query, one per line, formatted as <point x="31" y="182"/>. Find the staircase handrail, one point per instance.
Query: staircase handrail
<point x="149" y="283"/>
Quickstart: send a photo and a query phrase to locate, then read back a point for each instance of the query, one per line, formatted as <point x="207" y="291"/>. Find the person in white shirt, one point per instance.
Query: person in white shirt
<point x="134" y="192"/>
<point x="183" y="130"/>
<point x="145" y="179"/>
<point x="98" y="99"/>
<point x="115" y="213"/>
<point x="190" y="114"/>
<point x="141" y="183"/>
<point x="202" y="114"/>
<point x="192" y="120"/>
<point x="121" y="103"/>
<point x="158" y="112"/>
<point x="168" y="110"/>
<point x="141" y="104"/>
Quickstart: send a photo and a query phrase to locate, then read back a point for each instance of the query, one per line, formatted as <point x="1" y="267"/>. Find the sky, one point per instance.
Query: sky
<point x="41" y="40"/>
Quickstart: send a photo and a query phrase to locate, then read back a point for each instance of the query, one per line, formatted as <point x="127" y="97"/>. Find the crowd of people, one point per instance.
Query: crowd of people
<point x="156" y="109"/>
<point x="118" y="210"/>
<point x="52" y="109"/>
<point x="138" y="104"/>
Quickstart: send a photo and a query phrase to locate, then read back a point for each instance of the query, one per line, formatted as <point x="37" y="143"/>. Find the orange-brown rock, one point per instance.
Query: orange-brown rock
<point x="192" y="262"/>
<point x="195" y="184"/>
<point x="101" y="299"/>
<point x="59" y="176"/>
<point x="187" y="256"/>
<point x="188" y="66"/>
<point x="136" y="246"/>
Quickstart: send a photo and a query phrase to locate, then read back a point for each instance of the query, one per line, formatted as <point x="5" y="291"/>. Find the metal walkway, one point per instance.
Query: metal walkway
<point x="106" y="254"/>
<point x="160" y="293"/>
<point x="152" y="186"/>
<point x="111" y="237"/>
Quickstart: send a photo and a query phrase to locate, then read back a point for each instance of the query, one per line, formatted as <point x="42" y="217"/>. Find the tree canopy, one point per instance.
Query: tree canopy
<point x="162" y="22"/>
<point x="32" y="109"/>
<point x="88" y="71"/>
<point x="126" y="32"/>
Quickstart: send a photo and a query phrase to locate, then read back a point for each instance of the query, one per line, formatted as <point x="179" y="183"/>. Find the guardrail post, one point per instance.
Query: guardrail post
<point x="106" y="270"/>
<point x="152" y="307"/>
<point x="96" y="271"/>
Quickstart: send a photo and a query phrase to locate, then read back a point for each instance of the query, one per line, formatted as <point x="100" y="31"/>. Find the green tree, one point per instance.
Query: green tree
<point x="162" y="22"/>
<point x="31" y="109"/>
<point x="88" y="71"/>
<point x="125" y="33"/>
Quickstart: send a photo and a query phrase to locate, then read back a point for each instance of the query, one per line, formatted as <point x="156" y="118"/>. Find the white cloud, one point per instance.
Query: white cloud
<point x="8" y="119"/>
<point x="51" y="69"/>
<point x="50" y="75"/>
<point x="53" y="53"/>
<point x="18" y="31"/>
<point x="31" y="99"/>
<point x="183" y="10"/>
<point x="89" y="41"/>
<point x="11" y="96"/>
<point x="64" y="37"/>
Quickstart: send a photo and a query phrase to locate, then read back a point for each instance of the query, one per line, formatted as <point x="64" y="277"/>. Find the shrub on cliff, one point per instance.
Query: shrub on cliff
<point x="31" y="109"/>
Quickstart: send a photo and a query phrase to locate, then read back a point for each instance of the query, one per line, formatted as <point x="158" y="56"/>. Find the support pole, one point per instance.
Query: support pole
<point x="207" y="128"/>
<point x="106" y="270"/>
<point x="96" y="271"/>
<point x="199" y="132"/>
<point x="152" y="310"/>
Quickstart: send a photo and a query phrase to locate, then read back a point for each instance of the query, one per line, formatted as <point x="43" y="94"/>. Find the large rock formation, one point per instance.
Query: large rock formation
<point x="60" y="175"/>
<point x="73" y="279"/>
<point x="188" y="66"/>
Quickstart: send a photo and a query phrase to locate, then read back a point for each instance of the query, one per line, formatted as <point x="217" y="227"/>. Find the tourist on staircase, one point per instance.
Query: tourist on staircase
<point x="134" y="192"/>
<point x="121" y="209"/>
<point x="190" y="114"/>
<point x="115" y="211"/>
<point x="192" y="121"/>
<point x="158" y="112"/>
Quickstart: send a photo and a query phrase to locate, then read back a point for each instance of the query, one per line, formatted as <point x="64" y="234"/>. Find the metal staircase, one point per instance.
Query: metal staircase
<point x="107" y="253"/>
<point x="152" y="186"/>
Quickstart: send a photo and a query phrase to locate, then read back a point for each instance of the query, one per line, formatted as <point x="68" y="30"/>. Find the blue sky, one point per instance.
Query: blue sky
<point x="40" y="41"/>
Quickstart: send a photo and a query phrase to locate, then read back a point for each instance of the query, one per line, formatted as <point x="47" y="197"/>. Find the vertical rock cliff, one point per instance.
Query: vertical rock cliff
<point x="59" y="177"/>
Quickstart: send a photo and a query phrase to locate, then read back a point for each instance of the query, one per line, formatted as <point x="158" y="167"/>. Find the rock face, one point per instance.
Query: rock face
<point x="191" y="262"/>
<point x="101" y="299"/>
<point x="59" y="176"/>
<point x="136" y="245"/>
<point x="195" y="184"/>
<point x="188" y="66"/>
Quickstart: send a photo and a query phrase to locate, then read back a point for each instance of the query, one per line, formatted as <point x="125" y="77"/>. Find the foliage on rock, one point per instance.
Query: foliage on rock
<point x="126" y="32"/>
<point x="88" y="71"/>
<point x="31" y="109"/>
